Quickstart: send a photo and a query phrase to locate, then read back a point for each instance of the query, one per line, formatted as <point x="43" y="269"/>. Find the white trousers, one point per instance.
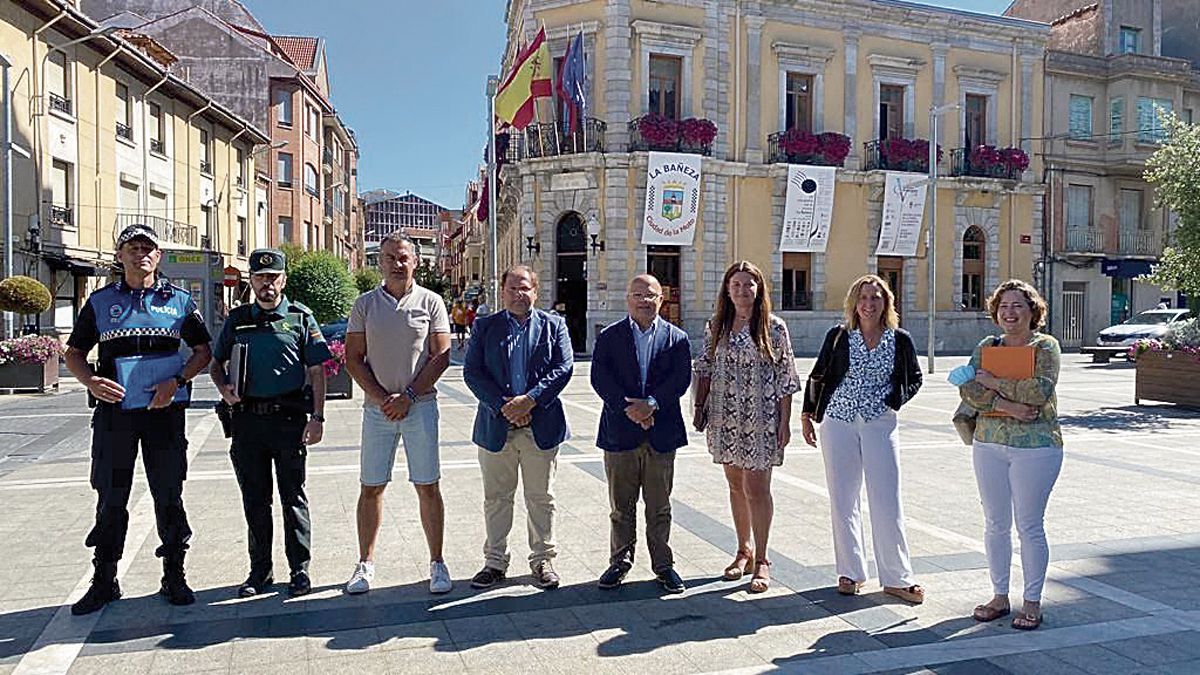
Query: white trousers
<point x="1016" y="480"/>
<point x="852" y="450"/>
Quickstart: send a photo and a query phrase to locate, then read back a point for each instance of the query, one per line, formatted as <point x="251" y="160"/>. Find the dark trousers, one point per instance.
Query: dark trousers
<point x="116" y="435"/>
<point x="651" y="474"/>
<point x="259" y="440"/>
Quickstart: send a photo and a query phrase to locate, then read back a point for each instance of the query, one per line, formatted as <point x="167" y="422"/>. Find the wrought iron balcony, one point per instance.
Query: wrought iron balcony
<point x="168" y="231"/>
<point x="824" y="149"/>
<point x="158" y="146"/>
<point x="1084" y="240"/>
<point x="62" y="215"/>
<point x="961" y="165"/>
<point x="124" y="131"/>
<point x="206" y="166"/>
<point x="796" y="300"/>
<point x="327" y="157"/>
<point x="61" y="104"/>
<point x="1140" y="242"/>
<point x="672" y="137"/>
<point x="897" y="154"/>
<point x="550" y="140"/>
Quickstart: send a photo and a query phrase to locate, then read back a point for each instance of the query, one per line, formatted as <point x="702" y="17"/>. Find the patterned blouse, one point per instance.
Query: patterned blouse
<point x="1037" y="391"/>
<point x="744" y="395"/>
<point x="868" y="381"/>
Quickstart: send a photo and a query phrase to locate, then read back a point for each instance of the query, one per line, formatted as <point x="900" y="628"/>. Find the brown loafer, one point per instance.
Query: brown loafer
<point x="913" y="594"/>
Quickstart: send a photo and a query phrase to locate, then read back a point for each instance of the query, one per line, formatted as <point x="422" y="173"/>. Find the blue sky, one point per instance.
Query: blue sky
<point x="409" y="77"/>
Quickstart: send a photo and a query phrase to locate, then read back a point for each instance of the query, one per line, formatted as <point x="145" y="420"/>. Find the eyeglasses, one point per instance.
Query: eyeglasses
<point x="645" y="296"/>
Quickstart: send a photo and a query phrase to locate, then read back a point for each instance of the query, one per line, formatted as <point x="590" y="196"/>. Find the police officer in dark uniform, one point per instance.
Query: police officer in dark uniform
<point x="271" y="416"/>
<point x="141" y="315"/>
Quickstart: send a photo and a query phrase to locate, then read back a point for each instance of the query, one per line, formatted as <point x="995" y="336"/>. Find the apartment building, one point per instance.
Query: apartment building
<point x="770" y="75"/>
<point x="114" y="138"/>
<point x="387" y="211"/>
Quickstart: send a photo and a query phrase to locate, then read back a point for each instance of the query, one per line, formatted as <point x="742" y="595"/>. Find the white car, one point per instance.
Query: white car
<point x="1150" y="324"/>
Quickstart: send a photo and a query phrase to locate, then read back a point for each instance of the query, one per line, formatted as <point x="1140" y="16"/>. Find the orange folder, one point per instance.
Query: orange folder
<point x="1008" y="363"/>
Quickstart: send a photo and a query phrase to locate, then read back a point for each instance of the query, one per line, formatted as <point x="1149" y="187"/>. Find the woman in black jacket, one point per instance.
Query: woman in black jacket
<point x="866" y="370"/>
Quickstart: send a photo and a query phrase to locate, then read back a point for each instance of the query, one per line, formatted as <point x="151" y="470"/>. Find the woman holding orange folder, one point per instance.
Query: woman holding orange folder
<point x="1018" y="448"/>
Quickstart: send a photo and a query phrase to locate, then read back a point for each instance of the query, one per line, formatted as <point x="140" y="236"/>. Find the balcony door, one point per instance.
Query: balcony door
<point x="666" y="77"/>
<point x="891" y="269"/>
<point x="976" y="121"/>
<point x="663" y="263"/>
<point x="891" y="111"/>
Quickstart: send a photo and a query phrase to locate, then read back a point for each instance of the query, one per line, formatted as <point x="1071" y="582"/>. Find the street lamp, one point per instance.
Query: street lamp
<point x="593" y="229"/>
<point x="935" y="112"/>
<point x="493" y="83"/>
<point x="529" y="229"/>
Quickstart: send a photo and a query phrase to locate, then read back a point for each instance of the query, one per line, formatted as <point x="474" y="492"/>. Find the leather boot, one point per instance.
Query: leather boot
<point x="104" y="589"/>
<point x="174" y="584"/>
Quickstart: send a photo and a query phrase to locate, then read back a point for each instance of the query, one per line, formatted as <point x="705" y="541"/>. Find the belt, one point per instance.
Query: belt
<point x="271" y="406"/>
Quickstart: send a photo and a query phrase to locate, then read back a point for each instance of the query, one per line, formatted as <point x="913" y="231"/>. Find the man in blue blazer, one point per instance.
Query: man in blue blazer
<point x="518" y="362"/>
<point x="641" y="367"/>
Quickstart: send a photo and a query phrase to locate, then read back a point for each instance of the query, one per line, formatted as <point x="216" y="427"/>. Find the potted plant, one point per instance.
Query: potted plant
<point x="657" y="132"/>
<point x="1168" y="370"/>
<point x="337" y="378"/>
<point x="29" y="362"/>
<point x="825" y="149"/>
<point x="993" y="162"/>
<point x="697" y="135"/>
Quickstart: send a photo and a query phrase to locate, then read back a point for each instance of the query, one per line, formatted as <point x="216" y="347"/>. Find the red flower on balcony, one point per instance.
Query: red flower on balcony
<point x="988" y="160"/>
<point x="827" y="149"/>
<point x="835" y="147"/>
<point x="906" y="155"/>
<point x="697" y="132"/>
<point x="659" y="132"/>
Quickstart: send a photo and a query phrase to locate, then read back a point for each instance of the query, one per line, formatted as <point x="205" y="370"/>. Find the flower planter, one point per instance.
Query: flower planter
<point x="1169" y="377"/>
<point x="340" y="384"/>
<point x="29" y="376"/>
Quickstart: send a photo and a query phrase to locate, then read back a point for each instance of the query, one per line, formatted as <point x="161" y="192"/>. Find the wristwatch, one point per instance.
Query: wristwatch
<point x="181" y="380"/>
<point x="317" y="418"/>
<point x="652" y="402"/>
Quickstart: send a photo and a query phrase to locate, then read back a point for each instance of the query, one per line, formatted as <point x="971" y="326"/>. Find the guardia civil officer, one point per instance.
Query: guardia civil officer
<point x="271" y="415"/>
<point x="141" y="319"/>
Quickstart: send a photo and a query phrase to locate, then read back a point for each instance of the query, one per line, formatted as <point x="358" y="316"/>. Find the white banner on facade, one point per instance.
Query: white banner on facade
<point x="672" y="199"/>
<point x="808" y="208"/>
<point x="903" y="212"/>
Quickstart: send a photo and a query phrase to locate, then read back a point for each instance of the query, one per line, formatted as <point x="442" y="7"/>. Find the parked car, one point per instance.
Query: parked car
<point x="335" y="330"/>
<point x="1150" y="324"/>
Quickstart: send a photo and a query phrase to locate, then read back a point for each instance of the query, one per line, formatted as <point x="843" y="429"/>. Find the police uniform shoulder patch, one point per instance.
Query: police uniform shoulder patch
<point x="299" y="307"/>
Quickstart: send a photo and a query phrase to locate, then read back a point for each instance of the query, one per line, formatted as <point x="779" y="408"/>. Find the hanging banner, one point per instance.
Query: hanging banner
<point x="672" y="199"/>
<point x="808" y="208"/>
<point x="903" y="212"/>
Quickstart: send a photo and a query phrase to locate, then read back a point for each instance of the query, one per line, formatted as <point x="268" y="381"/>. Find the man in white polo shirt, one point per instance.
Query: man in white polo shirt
<point x="397" y="346"/>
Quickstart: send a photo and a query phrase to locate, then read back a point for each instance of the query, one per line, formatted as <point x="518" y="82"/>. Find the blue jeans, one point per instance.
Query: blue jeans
<point x="381" y="436"/>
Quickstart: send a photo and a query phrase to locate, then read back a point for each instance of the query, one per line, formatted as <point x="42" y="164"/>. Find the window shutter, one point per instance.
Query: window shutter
<point x="1080" y="116"/>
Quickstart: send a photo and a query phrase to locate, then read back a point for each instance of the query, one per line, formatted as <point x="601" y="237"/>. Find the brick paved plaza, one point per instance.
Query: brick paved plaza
<point x="1122" y="597"/>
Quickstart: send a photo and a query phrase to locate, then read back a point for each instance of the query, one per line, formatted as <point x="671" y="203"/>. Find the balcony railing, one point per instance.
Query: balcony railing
<point x="897" y="154"/>
<point x="61" y="104"/>
<point x="62" y="215"/>
<point x="550" y="140"/>
<point x="797" y="300"/>
<point x="961" y="165"/>
<point x="168" y="231"/>
<point x="825" y="149"/>
<point x="1085" y="240"/>
<point x="158" y="146"/>
<point x="639" y="142"/>
<point x="327" y="157"/>
<point x="1139" y="242"/>
<point x="124" y="131"/>
<point x="205" y="166"/>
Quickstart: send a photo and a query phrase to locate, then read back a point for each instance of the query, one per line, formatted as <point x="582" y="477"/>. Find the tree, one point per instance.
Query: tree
<point x="1174" y="171"/>
<point x="367" y="278"/>
<point x="322" y="281"/>
<point x="427" y="277"/>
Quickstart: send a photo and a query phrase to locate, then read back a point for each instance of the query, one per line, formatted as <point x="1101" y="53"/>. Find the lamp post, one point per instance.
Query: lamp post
<point x="529" y="230"/>
<point x="493" y="83"/>
<point x="593" y="230"/>
<point x="6" y="149"/>
<point x="935" y="112"/>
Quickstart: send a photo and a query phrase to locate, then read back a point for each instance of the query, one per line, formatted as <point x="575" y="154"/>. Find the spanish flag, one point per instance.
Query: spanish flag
<point x="529" y="79"/>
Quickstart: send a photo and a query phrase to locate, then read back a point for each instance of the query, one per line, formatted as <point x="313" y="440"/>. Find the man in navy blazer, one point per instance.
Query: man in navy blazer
<point x="518" y="362"/>
<point x="641" y="367"/>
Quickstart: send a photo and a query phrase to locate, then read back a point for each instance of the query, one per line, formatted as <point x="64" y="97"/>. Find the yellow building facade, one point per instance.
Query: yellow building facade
<point x="114" y="138"/>
<point x="868" y="70"/>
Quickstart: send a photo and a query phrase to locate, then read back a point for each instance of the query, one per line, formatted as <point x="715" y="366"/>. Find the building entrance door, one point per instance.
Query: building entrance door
<point x="1073" y="308"/>
<point x="570" y="277"/>
<point x="663" y="263"/>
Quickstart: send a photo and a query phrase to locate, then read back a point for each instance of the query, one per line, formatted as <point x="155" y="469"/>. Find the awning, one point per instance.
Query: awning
<point x="79" y="267"/>
<point x="1125" y="268"/>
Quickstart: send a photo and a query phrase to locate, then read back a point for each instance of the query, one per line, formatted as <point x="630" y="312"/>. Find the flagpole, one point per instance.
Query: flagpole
<point x="493" y="83"/>
<point x="583" y="108"/>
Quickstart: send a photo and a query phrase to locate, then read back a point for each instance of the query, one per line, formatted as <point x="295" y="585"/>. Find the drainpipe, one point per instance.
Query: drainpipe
<point x="34" y="112"/>
<point x="737" y="121"/>
<point x="6" y="151"/>
<point x="188" y="143"/>
<point x="143" y="195"/>
<point x="1012" y="135"/>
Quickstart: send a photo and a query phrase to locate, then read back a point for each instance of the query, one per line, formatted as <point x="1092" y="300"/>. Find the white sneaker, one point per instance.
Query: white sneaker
<point x="360" y="581"/>
<point x="439" y="578"/>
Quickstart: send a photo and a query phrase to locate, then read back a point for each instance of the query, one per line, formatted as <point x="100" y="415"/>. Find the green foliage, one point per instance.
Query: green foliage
<point x="322" y="281"/>
<point x="293" y="253"/>
<point x="367" y="278"/>
<point x="428" y="277"/>
<point x="24" y="295"/>
<point x="1174" y="171"/>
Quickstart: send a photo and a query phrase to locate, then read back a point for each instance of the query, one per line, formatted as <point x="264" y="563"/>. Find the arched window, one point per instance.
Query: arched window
<point x="972" y="269"/>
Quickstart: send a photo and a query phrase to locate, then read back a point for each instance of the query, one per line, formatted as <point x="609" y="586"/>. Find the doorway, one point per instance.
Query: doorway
<point x="570" y="276"/>
<point x="663" y="263"/>
<point x="1073" y="310"/>
<point x="891" y="270"/>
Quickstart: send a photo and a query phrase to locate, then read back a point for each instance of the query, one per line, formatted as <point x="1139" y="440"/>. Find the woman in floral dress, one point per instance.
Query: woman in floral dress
<point x="746" y="377"/>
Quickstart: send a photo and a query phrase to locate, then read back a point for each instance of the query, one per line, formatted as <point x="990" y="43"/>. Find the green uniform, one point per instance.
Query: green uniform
<point x="268" y="425"/>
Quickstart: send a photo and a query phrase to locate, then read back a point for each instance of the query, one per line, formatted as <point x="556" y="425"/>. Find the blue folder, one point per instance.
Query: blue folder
<point x="140" y="374"/>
